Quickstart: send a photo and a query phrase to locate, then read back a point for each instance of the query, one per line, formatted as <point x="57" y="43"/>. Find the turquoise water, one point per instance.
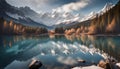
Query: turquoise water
<point x="56" y="52"/>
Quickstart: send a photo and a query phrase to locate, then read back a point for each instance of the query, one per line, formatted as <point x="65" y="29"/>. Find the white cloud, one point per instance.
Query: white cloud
<point x="27" y="2"/>
<point x="46" y="5"/>
<point x="37" y="5"/>
<point x="73" y="6"/>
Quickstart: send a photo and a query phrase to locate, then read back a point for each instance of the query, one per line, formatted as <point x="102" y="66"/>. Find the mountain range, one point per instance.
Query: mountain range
<point x="30" y="17"/>
<point x="18" y="15"/>
<point x="107" y="21"/>
<point x="86" y="18"/>
<point x="27" y="16"/>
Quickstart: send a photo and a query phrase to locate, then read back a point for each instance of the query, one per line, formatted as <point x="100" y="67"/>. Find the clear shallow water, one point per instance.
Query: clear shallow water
<point x="56" y="52"/>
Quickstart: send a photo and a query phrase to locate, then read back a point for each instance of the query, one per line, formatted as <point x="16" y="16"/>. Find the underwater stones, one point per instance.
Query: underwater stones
<point x="35" y="64"/>
<point x="118" y="65"/>
<point x="102" y="64"/>
<point x="81" y="61"/>
<point x="106" y="64"/>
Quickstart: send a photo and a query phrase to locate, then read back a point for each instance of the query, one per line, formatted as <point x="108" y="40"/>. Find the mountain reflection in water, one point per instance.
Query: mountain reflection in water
<point x="56" y="51"/>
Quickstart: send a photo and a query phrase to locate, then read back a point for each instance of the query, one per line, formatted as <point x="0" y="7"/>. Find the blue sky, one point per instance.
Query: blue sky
<point x="73" y="6"/>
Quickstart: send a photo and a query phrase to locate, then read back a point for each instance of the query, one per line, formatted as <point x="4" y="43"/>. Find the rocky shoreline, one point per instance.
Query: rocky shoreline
<point x="103" y="64"/>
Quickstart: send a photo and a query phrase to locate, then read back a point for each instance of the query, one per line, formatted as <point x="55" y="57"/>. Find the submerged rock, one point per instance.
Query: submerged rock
<point x="118" y="65"/>
<point x="108" y="64"/>
<point x="102" y="64"/>
<point x="35" y="64"/>
<point x="105" y="65"/>
<point x="81" y="61"/>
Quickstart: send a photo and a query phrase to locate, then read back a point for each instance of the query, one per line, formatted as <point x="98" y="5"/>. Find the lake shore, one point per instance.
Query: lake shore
<point x="101" y="65"/>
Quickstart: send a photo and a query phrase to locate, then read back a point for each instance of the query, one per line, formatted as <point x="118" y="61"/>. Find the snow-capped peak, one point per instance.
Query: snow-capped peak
<point x="89" y="16"/>
<point x="67" y="18"/>
<point x="92" y="15"/>
<point x="107" y="7"/>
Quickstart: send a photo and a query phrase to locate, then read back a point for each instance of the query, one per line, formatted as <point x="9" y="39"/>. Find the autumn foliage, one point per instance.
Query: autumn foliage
<point x="11" y="28"/>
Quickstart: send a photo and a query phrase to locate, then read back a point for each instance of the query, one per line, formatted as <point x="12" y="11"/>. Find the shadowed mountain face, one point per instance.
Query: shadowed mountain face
<point x="18" y="15"/>
<point x="5" y="7"/>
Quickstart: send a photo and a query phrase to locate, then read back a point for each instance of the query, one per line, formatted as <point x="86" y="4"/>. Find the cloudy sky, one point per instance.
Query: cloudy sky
<point x="83" y="6"/>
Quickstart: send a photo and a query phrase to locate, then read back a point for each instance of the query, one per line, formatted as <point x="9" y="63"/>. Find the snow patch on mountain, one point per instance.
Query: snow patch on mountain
<point x="67" y="21"/>
<point x="16" y="16"/>
<point x="56" y="18"/>
<point x="93" y="14"/>
<point x="107" y="7"/>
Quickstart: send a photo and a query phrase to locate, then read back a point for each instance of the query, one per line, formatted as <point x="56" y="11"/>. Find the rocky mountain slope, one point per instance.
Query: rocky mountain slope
<point x="18" y="15"/>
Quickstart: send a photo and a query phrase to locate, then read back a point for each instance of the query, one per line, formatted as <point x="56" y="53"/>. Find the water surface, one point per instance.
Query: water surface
<point x="56" y="52"/>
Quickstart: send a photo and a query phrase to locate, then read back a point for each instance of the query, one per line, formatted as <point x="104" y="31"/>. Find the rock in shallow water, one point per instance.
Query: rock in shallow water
<point x="118" y="65"/>
<point x="102" y="64"/>
<point x="35" y="64"/>
<point x="105" y="65"/>
<point x="81" y="61"/>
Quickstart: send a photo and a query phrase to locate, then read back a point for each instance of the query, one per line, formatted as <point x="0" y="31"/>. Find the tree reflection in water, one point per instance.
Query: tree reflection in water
<point x="73" y="46"/>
